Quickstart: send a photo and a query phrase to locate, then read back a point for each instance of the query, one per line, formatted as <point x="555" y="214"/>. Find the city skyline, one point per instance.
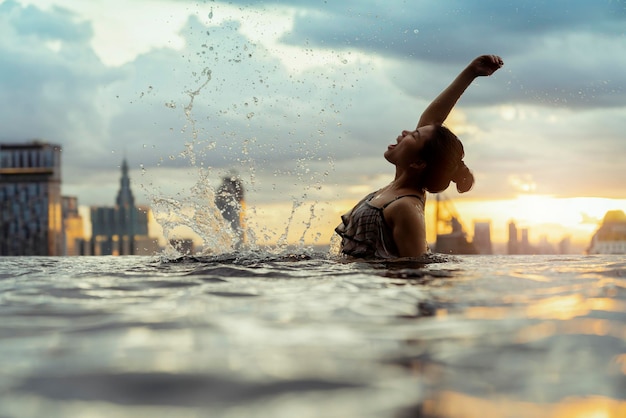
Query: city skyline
<point x="123" y="229"/>
<point x="289" y="94"/>
<point x="532" y="242"/>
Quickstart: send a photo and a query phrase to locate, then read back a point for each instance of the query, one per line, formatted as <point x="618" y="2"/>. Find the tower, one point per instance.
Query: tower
<point x="114" y="229"/>
<point x="126" y="214"/>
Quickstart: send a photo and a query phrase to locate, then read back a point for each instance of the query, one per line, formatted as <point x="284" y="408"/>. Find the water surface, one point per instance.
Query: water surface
<point x="306" y="335"/>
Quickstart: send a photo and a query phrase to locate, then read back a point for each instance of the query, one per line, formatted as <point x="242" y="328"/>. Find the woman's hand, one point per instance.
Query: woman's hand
<point x="438" y="110"/>
<point x="485" y="65"/>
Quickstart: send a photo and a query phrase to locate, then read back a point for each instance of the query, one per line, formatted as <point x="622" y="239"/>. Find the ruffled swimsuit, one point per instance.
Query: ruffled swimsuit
<point x="364" y="232"/>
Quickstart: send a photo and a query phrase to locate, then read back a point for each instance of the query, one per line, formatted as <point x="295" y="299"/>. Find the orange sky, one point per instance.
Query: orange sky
<point x="544" y="216"/>
<point x="303" y="108"/>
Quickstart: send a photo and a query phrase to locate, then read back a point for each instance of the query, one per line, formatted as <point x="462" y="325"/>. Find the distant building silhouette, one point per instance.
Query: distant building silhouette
<point x="544" y="246"/>
<point x="73" y="225"/>
<point x="610" y="238"/>
<point x="145" y="244"/>
<point x="524" y="244"/>
<point x="114" y="230"/>
<point x="229" y="199"/>
<point x="482" y="237"/>
<point x="30" y="199"/>
<point x="454" y="241"/>
<point x="513" y="243"/>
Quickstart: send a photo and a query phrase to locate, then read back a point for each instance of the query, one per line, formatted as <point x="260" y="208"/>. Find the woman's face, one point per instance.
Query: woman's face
<point x="408" y="145"/>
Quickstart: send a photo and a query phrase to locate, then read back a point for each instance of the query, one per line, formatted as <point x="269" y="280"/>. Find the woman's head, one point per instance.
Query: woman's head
<point x="442" y="154"/>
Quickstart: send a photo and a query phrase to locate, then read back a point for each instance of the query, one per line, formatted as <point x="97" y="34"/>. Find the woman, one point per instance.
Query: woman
<point x="389" y="223"/>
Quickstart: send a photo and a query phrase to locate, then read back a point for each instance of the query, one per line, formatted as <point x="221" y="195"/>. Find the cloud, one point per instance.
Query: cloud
<point x="49" y="78"/>
<point x="307" y="107"/>
<point x="205" y="105"/>
<point x="35" y="23"/>
<point x="552" y="48"/>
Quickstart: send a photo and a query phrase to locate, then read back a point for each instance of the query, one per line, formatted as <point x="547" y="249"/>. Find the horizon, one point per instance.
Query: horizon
<point x="547" y="219"/>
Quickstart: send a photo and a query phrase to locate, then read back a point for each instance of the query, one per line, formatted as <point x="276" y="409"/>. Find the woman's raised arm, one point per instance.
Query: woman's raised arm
<point x="439" y="109"/>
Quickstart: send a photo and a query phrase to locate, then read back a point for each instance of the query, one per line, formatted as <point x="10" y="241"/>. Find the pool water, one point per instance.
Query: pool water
<point x="309" y="335"/>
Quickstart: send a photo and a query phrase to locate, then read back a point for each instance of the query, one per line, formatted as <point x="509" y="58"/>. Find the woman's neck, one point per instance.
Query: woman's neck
<point x="405" y="181"/>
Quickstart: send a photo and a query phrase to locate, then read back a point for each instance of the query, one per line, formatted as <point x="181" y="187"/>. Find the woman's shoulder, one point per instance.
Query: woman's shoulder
<point x="406" y="200"/>
<point x="406" y="212"/>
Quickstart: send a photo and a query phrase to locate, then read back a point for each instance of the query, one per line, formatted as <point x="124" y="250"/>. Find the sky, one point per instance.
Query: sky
<point x="302" y="97"/>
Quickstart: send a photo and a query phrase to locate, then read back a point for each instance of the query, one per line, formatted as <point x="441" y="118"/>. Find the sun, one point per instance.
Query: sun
<point x="579" y="212"/>
<point x="543" y="215"/>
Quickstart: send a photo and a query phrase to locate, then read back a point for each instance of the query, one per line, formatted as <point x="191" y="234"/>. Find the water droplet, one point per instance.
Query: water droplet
<point x="416" y="31"/>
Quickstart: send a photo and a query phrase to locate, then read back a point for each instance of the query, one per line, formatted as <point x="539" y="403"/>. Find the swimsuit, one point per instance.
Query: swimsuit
<point x="364" y="232"/>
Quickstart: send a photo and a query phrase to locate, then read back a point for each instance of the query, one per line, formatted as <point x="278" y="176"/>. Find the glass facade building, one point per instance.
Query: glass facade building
<point x="31" y="220"/>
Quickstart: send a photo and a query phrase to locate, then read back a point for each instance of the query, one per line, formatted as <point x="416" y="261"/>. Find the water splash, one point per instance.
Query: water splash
<point x="198" y="213"/>
<point x="194" y="209"/>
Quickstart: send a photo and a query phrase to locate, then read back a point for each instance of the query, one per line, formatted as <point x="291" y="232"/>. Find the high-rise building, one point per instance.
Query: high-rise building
<point x="73" y="226"/>
<point x="513" y="244"/>
<point x="610" y="238"/>
<point x="145" y="244"/>
<point x="115" y="229"/>
<point x="482" y="237"/>
<point x="524" y="243"/>
<point x="30" y="199"/>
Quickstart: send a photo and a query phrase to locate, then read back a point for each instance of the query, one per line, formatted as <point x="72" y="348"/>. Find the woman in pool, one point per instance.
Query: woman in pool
<point x="389" y="223"/>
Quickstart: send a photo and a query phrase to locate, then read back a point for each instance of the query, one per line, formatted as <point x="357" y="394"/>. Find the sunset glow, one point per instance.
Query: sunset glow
<point x="303" y="108"/>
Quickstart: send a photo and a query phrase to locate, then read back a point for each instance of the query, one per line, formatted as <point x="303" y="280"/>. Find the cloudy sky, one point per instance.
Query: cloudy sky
<point x="302" y="97"/>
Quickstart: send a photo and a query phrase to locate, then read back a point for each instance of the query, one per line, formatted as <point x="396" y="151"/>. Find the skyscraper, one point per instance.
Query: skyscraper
<point x="114" y="229"/>
<point x="73" y="226"/>
<point x="30" y="199"/>
<point x="513" y="244"/>
<point x="482" y="237"/>
<point x="524" y="243"/>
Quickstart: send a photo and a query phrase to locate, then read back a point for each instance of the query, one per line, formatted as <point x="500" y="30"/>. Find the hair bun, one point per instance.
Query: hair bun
<point x="463" y="178"/>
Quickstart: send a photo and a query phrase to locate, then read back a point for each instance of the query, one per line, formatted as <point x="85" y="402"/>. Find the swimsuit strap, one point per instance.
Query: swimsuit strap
<point x="421" y="198"/>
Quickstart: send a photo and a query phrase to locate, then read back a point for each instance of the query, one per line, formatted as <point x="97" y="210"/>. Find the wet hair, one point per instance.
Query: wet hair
<point x="443" y="154"/>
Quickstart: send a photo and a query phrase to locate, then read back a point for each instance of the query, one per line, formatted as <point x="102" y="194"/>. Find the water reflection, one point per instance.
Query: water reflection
<point x="537" y="343"/>
<point x="458" y="405"/>
<point x="307" y="336"/>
